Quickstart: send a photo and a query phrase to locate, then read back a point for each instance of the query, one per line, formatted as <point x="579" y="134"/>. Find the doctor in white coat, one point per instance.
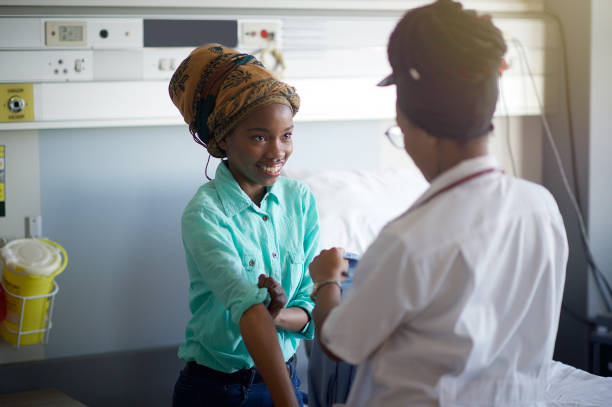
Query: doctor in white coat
<point x="457" y="301"/>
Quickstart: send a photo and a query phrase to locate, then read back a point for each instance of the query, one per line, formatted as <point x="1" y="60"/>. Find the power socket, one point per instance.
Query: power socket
<point x="160" y="63"/>
<point x="33" y="226"/>
<point x="68" y="65"/>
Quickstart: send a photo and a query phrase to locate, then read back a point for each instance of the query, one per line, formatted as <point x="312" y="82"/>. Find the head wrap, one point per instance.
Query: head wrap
<point x="215" y="88"/>
<point x="445" y="64"/>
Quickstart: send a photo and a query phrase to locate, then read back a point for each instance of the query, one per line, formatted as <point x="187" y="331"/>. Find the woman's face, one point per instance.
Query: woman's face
<point x="259" y="147"/>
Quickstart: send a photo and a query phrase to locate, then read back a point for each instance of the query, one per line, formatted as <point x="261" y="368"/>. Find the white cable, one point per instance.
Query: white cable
<point x="551" y="140"/>
<point x="507" y="116"/>
<point x="598" y="274"/>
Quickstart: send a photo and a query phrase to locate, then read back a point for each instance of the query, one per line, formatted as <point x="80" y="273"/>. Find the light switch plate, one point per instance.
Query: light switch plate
<point x="33" y="226"/>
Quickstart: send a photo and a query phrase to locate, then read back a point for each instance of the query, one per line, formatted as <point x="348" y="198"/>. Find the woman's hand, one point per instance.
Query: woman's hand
<point x="329" y="265"/>
<point x="278" y="298"/>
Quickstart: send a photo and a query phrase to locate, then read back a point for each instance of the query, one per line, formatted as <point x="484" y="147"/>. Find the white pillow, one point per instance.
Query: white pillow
<point x="354" y="205"/>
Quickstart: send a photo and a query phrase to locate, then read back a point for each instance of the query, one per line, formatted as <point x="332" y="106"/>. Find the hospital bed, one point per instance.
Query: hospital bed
<point x="354" y="205"/>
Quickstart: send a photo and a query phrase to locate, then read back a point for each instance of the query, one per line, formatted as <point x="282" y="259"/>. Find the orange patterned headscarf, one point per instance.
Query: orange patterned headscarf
<point x="215" y="88"/>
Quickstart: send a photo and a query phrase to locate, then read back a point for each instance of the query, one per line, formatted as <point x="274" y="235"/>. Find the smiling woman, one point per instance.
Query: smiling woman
<point x="249" y="235"/>
<point x="258" y="149"/>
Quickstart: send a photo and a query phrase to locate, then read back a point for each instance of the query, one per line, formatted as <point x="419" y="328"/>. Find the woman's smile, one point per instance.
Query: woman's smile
<point x="271" y="170"/>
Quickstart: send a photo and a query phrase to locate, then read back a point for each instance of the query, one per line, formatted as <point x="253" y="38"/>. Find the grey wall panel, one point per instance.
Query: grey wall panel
<point x="600" y="166"/>
<point x="337" y="145"/>
<point x="189" y="33"/>
<point x="572" y="346"/>
<point x="113" y="198"/>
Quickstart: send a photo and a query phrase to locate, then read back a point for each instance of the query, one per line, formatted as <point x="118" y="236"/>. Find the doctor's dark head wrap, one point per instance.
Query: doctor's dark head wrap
<point x="215" y="88"/>
<point x="446" y="64"/>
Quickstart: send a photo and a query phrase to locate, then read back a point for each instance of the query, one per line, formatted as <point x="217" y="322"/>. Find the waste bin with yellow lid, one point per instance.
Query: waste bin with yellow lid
<point x="30" y="267"/>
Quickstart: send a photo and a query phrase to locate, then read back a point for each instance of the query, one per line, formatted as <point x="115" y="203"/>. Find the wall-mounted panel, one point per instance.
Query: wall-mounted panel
<point x="326" y="58"/>
<point x="485" y="5"/>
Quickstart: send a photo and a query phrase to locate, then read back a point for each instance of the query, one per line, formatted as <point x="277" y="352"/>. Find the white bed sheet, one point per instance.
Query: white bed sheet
<point x="354" y="205"/>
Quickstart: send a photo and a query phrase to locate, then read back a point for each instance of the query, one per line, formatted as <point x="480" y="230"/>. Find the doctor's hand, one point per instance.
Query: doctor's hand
<point x="278" y="298"/>
<point x="329" y="265"/>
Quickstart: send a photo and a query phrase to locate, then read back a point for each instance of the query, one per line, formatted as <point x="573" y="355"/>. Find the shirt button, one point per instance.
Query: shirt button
<point x="265" y="217"/>
<point x="274" y="255"/>
<point x="251" y="263"/>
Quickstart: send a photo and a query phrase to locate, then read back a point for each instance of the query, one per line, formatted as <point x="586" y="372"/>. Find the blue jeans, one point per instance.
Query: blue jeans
<point x="192" y="391"/>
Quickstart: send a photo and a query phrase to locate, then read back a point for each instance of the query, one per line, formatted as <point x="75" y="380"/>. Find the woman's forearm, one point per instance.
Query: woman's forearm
<point x="292" y="319"/>
<point x="259" y="335"/>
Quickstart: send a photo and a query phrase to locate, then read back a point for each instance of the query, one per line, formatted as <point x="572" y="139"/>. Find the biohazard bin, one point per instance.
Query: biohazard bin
<point x="28" y="280"/>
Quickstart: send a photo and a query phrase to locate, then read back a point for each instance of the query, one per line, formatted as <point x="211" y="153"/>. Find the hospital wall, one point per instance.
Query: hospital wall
<point x="113" y="197"/>
<point x="600" y="145"/>
<point x="587" y="33"/>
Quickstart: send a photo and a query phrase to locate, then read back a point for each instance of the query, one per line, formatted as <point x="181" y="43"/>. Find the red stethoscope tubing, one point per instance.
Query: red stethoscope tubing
<point x="455" y="184"/>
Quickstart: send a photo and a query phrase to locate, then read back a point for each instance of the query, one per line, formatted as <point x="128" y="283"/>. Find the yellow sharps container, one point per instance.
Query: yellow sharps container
<point x="30" y="266"/>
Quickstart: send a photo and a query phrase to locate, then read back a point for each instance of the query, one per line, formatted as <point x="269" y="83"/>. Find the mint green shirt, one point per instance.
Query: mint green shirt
<point x="229" y="242"/>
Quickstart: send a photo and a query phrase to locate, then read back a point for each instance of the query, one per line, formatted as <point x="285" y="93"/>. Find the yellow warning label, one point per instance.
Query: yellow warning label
<point x="16" y="102"/>
<point x="2" y="148"/>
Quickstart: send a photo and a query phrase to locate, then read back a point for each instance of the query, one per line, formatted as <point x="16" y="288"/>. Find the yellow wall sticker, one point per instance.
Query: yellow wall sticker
<point x="16" y="102"/>
<point x="2" y="181"/>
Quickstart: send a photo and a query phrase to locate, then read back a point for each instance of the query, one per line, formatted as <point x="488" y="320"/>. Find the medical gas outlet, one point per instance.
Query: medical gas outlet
<point x="260" y="34"/>
<point x="17" y="102"/>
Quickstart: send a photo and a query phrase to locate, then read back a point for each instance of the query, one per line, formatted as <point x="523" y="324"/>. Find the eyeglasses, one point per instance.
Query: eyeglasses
<point x="395" y="136"/>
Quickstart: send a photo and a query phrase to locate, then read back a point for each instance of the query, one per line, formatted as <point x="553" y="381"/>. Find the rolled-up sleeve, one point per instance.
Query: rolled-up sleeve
<point x="218" y="264"/>
<point x="311" y="248"/>
<point x="302" y="300"/>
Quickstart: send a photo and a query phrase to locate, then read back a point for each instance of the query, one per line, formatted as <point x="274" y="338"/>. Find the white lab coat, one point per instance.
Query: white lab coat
<point x="457" y="301"/>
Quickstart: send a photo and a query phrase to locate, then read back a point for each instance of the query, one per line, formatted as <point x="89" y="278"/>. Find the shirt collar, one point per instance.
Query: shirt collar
<point x="464" y="169"/>
<point x="275" y="192"/>
<point x="233" y="198"/>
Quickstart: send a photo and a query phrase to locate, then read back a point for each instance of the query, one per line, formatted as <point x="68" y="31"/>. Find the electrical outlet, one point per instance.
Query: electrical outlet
<point x="33" y="226"/>
<point x="260" y="34"/>
<point x="160" y="63"/>
<point x="67" y="66"/>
